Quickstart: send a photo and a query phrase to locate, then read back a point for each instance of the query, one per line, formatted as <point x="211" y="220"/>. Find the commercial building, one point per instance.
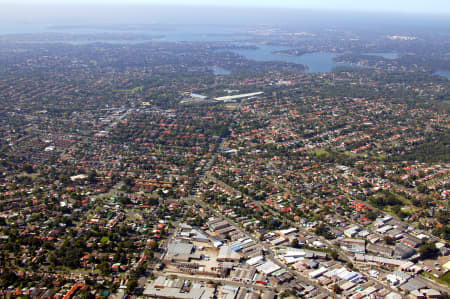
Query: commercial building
<point x="163" y="287"/>
<point x="179" y="251"/>
<point x="353" y="245"/>
<point x="227" y="254"/>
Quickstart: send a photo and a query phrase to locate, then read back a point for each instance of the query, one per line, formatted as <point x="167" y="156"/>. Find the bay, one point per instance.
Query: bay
<point x="218" y="71"/>
<point x="317" y="62"/>
<point x="443" y="74"/>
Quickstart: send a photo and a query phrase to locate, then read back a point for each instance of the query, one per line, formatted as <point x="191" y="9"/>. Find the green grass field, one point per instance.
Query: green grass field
<point x="138" y="88"/>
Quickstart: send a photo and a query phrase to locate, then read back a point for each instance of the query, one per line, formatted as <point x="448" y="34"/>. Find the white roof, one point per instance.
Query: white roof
<point x="369" y="291"/>
<point x="185" y="226"/>
<point x="292" y="260"/>
<point x="239" y="96"/>
<point x="363" y="233"/>
<point x="447" y="265"/>
<point x="288" y="231"/>
<point x="255" y="260"/>
<point x="268" y="267"/>
<point x="384" y="229"/>
<point x="318" y="244"/>
<point x="347" y="285"/>
<point x="318" y="272"/>
<point x="430" y="292"/>
<point x="393" y="295"/>
<point x="293" y="252"/>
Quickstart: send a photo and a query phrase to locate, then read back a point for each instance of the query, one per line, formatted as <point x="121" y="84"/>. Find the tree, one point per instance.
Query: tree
<point x="371" y="214"/>
<point x="7" y="278"/>
<point x="322" y="230"/>
<point x="52" y="259"/>
<point x="337" y="289"/>
<point x="104" y="267"/>
<point x="389" y="240"/>
<point x="128" y="181"/>
<point x="140" y="270"/>
<point x="428" y="251"/>
<point x="334" y="255"/>
<point x="28" y="168"/>
<point x="92" y="177"/>
<point x="132" y="285"/>
<point x="294" y="243"/>
<point x="422" y="188"/>
<point x="443" y="217"/>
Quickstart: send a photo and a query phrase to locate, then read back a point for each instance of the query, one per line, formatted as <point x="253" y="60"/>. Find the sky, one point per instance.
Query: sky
<point x="441" y="7"/>
<point x="368" y="14"/>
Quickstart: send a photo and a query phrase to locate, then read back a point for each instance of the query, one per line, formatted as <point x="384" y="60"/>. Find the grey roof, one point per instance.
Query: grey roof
<point x="412" y="239"/>
<point x="403" y="251"/>
<point x="385" y="250"/>
<point x="227" y="253"/>
<point x="403" y="275"/>
<point x="312" y="264"/>
<point x="268" y="295"/>
<point x="413" y="284"/>
<point x="172" y="289"/>
<point x="199" y="235"/>
<point x="178" y="247"/>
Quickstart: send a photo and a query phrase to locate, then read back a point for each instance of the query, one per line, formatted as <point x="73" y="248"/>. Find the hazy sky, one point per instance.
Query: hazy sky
<point x="405" y="6"/>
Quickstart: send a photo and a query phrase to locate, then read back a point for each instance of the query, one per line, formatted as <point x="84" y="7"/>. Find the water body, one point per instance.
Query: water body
<point x="86" y="42"/>
<point x="318" y="62"/>
<point x="189" y="33"/>
<point x="23" y="28"/>
<point x="443" y="74"/>
<point x="218" y="71"/>
<point x="387" y="55"/>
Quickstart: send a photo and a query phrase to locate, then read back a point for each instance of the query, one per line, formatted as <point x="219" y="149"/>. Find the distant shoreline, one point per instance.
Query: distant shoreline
<point x="291" y="52"/>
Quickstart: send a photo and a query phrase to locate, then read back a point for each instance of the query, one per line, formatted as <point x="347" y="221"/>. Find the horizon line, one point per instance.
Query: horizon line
<point x="231" y="6"/>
